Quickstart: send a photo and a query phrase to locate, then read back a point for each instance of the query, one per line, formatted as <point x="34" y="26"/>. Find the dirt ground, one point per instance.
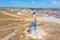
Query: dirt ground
<point x="8" y="26"/>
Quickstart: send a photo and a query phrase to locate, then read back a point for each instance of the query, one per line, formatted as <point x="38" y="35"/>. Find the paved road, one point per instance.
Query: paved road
<point x="9" y="36"/>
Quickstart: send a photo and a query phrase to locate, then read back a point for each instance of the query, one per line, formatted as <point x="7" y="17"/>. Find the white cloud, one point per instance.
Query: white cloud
<point x="55" y="3"/>
<point x="42" y="2"/>
<point x="14" y="1"/>
<point x="32" y="2"/>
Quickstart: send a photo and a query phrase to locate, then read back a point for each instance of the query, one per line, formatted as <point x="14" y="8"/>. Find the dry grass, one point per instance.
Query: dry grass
<point x="52" y="29"/>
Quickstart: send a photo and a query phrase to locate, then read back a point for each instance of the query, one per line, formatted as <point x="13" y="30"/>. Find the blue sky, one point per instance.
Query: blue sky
<point x="30" y="3"/>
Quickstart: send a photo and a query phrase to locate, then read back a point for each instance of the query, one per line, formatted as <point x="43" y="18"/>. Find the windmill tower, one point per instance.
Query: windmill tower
<point x="32" y="26"/>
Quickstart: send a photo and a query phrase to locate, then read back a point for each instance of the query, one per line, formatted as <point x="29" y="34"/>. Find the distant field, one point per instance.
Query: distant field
<point x="6" y="16"/>
<point x="8" y="26"/>
<point x="23" y="22"/>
